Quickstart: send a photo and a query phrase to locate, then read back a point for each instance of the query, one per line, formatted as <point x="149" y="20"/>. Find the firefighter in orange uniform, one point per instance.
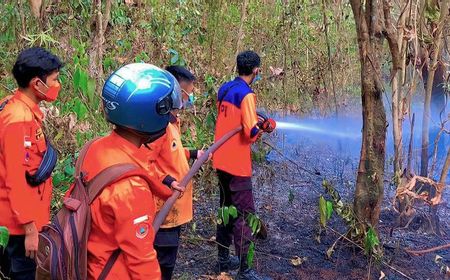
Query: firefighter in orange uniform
<point x="137" y="99"/>
<point x="26" y="160"/>
<point x="171" y="159"/>
<point x="236" y="103"/>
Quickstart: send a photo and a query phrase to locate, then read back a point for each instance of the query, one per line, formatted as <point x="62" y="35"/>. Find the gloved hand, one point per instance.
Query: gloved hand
<point x="265" y="123"/>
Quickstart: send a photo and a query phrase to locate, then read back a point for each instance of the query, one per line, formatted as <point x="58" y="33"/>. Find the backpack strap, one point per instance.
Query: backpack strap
<point x="3" y="105"/>
<point x="105" y="178"/>
<point x="109" y="264"/>
<point x="81" y="157"/>
<point x="108" y="176"/>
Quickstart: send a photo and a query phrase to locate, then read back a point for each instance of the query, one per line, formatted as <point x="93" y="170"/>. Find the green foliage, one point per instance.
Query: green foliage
<point x="42" y="38"/>
<point x="344" y="210"/>
<point x="360" y="233"/>
<point x="141" y="57"/>
<point x="175" y="58"/>
<point x="10" y="16"/>
<point x="254" y="222"/>
<point x="203" y="122"/>
<point x="233" y="211"/>
<point x="371" y="241"/>
<point x="63" y="177"/>
<point x="251" y="254"/>
<point x="325" y="210"/>
<point x="63" y="174"/>
<point x="224" y="214"/>
<point x="432" y="12"/>
<point x="86" y="86"/>
<point x="119" y="14"/>
<point x="4" y="236"/>
<point x="194" y="33"/>
<point x="81" y="7"/>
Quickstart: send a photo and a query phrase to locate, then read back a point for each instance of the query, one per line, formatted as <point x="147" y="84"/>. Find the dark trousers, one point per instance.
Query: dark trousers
<point x="13" y="263"/>
<point x="237" y="191"/>
<point x="166" y="245"/>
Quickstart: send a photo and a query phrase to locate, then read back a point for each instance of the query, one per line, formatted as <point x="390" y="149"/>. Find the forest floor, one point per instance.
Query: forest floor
<point x="287" y="201"/>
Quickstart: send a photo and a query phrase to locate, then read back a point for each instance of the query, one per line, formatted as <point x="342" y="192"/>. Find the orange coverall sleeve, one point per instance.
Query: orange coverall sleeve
<point x="133" y="212"/>
<point x="15" y="182"/>
<point x="249" y="117"/>
<point x="187" y="153"/>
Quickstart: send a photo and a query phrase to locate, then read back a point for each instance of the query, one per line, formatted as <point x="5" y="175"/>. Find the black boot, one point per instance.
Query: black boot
<point x="166" y="272"/>
<point x="226" y="262"/>
<point x="251" y="274"/>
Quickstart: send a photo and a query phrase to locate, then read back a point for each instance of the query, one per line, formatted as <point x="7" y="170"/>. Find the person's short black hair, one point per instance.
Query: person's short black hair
<point x="35" y="62"/>
<point x="180" y="73"/>
<point x="246" y="61"/>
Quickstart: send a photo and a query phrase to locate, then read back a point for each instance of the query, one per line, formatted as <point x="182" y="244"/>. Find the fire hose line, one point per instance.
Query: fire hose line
<point x="165" y="209"/>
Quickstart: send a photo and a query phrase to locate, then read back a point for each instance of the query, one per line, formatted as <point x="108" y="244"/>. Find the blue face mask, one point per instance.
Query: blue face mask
<point x="190" y="102"/>
<point x="257" y="78"/>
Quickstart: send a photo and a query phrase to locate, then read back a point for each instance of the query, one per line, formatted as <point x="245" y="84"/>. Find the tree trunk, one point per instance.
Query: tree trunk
<point x="410" y="147"/>
<point x="435" y="51"/>
<point x="241" y="34"/>
<point x="397" y="124"/>
<point x="397" y="44"/>
<point x="369" y="183"/>
<point x="445" y="169"/>
<point x="35" y="6"/>
<point x="330" y="64"/>
<point x="435" y="221"/>
<point x="96" y="49"/>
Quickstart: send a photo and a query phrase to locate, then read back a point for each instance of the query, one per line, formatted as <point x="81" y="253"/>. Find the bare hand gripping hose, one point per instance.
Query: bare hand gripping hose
<point x="162" y="214"/>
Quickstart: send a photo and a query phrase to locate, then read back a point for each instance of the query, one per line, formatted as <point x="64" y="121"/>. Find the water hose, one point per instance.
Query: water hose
<point x="165" y="209"/>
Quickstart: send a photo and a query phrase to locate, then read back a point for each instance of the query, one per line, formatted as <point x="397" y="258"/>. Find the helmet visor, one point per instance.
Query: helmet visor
<point x="176" y="95"/>
<point x="172" y="101"/>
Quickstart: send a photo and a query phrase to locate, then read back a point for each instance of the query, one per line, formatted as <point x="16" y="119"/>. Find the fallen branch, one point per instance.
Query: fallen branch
<point x="430" y="250"/>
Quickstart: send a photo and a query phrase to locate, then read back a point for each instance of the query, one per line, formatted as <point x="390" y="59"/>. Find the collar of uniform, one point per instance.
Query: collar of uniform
<point x="129" y="148"/>
<point x="240" y="80"/>
<point x="30" y="103"/>
<point x="173" y="118"/>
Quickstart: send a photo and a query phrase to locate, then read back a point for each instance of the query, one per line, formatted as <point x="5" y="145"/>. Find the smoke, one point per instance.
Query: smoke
<point x="332" y="132"/>
<point x="344" y="135"/>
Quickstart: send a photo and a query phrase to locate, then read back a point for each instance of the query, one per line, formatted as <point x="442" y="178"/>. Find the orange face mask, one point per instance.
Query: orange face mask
<point x="52" y="92"/>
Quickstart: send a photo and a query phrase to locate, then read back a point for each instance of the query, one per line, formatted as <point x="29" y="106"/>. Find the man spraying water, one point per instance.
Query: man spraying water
<point x="237" y="107"/>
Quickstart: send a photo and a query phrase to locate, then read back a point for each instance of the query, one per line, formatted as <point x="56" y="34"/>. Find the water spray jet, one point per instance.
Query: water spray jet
<point x="283" y="125"/>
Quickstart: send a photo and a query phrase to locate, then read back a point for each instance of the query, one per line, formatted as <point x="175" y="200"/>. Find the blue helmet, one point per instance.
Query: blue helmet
<point x="140" y="96"/>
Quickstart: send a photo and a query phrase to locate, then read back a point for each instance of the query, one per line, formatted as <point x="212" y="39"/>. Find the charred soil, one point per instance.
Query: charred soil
<point x="287" y="201"/>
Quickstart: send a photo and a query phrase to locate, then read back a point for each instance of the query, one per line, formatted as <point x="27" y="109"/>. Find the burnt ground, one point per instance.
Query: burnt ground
<point x="287" y="201"/>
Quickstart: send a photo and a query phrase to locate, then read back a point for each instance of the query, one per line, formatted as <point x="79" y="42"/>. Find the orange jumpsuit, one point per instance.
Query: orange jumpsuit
<point x="236" y="107"/>
<point x="171" y="159"/>
<point x="22" y="146"/>
<point x="122" y="214"/>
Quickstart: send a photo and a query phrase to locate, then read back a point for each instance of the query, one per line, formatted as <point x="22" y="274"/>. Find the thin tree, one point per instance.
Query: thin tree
<point x="369" y="184"/>
<point x="435" y="50"/>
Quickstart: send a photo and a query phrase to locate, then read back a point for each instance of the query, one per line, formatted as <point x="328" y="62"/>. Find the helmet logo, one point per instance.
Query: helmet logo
<point x="110" y="105"/>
